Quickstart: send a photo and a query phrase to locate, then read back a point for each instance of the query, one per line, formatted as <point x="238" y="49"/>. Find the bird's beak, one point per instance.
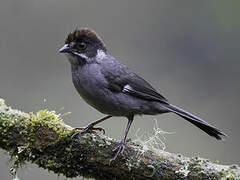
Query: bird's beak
<point x="64" y="49"/>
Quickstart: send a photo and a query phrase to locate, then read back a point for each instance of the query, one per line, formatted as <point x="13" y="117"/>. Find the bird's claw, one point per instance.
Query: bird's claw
<point x="84" y="130"/>
<point x="120" y="150"/>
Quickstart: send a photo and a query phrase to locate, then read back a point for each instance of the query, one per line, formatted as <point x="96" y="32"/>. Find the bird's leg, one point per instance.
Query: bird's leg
<point x="91" y="127"/>
<point x="122" y="145"/>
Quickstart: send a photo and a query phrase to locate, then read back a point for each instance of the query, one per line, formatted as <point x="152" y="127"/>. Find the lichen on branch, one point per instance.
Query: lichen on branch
<point x="44" y="139"/>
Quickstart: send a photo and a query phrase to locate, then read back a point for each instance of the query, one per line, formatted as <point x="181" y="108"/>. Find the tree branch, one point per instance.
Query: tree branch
<point x="44" y="139"/>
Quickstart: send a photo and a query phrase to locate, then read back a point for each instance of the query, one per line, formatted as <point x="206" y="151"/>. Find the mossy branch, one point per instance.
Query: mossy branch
<point x="44" y="139"/>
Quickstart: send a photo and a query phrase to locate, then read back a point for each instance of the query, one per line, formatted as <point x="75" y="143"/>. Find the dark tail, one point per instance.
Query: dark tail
<point x="203" y="125"/>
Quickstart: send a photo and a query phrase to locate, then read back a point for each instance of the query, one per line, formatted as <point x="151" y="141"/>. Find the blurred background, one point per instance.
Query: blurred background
<point x="188" y="50"/>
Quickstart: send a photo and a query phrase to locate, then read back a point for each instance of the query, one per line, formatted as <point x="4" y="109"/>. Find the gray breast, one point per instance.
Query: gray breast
<point x="93" y="88"/>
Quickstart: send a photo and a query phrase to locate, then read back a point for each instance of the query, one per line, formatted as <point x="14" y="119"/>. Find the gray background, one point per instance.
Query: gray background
<point x="189" y="50"/>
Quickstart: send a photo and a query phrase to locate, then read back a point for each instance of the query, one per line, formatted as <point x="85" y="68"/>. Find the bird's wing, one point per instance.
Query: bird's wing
<point x="121" y="79"/>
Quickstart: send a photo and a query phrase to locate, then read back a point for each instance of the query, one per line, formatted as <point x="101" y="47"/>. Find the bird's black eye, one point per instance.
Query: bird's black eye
<point x="82" y="45"/>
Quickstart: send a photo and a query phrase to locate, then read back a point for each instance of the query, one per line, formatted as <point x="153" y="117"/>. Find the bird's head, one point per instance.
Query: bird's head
<point x="83" y="46"/>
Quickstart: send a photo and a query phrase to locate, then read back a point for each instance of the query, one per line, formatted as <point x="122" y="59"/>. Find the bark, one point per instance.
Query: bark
<point x="44" y="139"/>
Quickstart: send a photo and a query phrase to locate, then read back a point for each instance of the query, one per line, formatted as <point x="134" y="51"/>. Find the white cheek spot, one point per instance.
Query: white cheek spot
<point x="100" y="54"/>
<point x="127" y="88"/>
<point x="81" y="55"/>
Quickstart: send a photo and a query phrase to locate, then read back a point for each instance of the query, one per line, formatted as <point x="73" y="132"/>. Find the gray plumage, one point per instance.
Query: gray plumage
<point x="109" y="87"/>
<point x="112" y="88"/>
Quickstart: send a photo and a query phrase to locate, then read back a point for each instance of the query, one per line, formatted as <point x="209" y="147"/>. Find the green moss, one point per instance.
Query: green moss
<point x="43" y="139"/>
<point x="229" y="175"/>
<point x="49" y="124"/>
<point x="21" y="133"/>
<point x="198" y="168"/>
<point x="2" y="102"/>
<point x="234" y="166"/>
<point x="8" y="129"/>
<point x="150" y="171"/>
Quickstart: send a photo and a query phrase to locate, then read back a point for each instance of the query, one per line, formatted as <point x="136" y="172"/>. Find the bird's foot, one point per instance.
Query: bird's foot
<point x="120" y="149"/>
<point x="83" y="130"/>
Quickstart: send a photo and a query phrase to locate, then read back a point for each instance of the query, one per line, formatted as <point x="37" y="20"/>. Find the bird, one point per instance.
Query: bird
<point x="114" y="89"/>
